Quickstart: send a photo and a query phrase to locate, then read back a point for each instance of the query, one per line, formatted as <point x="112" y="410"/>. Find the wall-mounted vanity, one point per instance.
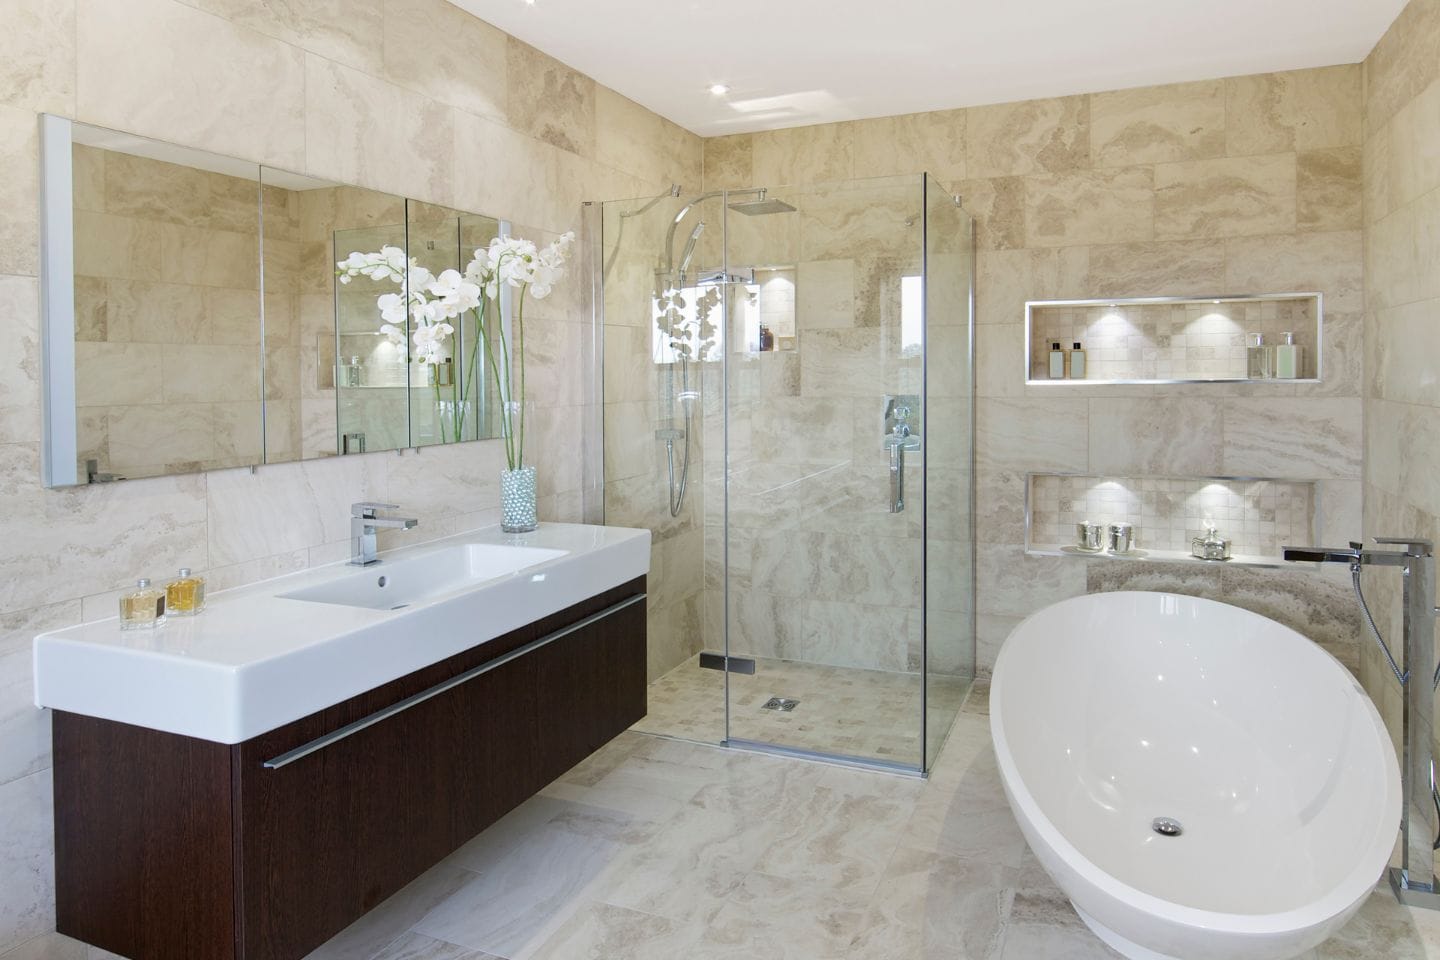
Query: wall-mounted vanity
<point x="193" y="320"/>
<point x="244" y="784"/>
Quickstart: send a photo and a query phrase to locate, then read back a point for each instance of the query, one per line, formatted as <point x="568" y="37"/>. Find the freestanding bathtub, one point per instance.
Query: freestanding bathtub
<point x="1112" y="711"/>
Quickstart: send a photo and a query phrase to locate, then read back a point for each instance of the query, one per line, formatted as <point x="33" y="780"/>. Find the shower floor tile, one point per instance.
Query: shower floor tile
<point x="842" y="710"/>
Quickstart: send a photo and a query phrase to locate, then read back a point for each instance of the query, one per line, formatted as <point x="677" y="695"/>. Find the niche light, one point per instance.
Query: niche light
<point x="716" y="89"/>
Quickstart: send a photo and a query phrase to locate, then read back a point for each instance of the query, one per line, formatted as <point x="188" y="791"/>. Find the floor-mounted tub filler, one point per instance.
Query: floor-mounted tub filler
<point x="1202" y="782"/>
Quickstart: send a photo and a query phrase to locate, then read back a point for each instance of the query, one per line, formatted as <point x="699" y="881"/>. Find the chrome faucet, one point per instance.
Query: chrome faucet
<point x="364" y="523"/>
<point x="1414" y="881"/>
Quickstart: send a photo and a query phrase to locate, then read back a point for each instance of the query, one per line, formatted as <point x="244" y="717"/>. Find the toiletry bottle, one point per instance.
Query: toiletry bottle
<point x="1077" y="362"/>
<point x="1287" y="358"/>
<point x="1257" y="359"/>
<point x="352" y="372"/>
<point x="185" y="595"/>
<point x="1057" y="362"/>
<point x="142" y="607"/>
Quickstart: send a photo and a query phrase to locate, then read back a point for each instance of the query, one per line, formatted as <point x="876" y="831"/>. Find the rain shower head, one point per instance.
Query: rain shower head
<point x="761" y="206"/>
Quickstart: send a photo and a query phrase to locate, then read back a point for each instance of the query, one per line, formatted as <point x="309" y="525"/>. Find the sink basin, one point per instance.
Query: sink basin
<point x="395" y="584"/>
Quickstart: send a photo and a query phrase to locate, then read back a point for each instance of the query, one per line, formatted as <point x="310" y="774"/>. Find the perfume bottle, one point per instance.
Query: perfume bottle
<point x="185" y="595"/>
<point x="1057" y="361"/>
<point x="1077" y="362"/>
<point x="1257" y="357"/>
<point x="1287" y="358"/>
<point x="143" y="607"/>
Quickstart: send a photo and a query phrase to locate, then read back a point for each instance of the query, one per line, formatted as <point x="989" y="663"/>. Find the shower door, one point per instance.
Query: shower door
<point x="825" y="441"/>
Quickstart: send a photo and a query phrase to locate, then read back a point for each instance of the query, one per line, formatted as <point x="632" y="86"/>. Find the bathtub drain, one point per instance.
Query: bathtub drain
<point x="1166" y="827"/>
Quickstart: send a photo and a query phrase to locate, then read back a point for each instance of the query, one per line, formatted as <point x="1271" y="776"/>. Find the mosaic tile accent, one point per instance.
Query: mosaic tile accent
<point x="1190" y="340"/>
<point x="1258" y="516"/>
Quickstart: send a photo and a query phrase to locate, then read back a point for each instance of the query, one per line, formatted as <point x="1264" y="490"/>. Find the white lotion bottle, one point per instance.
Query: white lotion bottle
<point x="1077" y="362"/>
<point x="1057" y="361"/>
<point x="1287" y="358"/>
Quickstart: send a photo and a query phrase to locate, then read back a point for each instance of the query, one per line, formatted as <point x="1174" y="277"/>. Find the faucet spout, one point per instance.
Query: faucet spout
<point x="364" y="521"/>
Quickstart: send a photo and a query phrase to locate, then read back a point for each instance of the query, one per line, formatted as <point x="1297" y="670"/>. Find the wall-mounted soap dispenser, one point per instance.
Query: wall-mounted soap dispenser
<point x="1057" y="362"/>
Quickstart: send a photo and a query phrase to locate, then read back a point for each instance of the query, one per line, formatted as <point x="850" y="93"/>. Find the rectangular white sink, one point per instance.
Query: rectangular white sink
<point x="396" y="584"/>
<point x="268" y="653"/>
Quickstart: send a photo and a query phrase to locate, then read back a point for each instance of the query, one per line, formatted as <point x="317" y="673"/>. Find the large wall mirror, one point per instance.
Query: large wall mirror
<point x="194" y="320"/>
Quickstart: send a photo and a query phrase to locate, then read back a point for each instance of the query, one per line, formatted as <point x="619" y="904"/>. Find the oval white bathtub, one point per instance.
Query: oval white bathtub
<point x="1111" y="710"/>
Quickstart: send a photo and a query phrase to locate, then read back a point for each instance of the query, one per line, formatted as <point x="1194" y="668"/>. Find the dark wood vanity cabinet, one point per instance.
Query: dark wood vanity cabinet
<point x="171" y="848"/>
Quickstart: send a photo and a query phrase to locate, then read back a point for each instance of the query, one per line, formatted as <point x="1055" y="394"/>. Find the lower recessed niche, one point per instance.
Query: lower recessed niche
<point x="1259" y="516"/>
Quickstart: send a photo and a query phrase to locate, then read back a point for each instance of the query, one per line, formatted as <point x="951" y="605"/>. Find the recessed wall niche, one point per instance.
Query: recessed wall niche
<point x="1172" y="339"/>
<point x="1258" y="516"/>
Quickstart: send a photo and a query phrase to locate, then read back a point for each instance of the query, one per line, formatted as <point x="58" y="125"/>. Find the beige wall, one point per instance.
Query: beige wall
<point x="1246" y="185"/>
<point x="1402" y="311"/>
<point x="471" y="119"/>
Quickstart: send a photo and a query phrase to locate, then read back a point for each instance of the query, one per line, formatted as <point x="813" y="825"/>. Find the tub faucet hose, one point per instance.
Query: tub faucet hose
<point x="1403" y="677"/>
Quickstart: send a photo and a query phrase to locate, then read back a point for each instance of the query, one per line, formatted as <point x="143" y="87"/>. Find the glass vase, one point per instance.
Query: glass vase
<point x="517" y="500"/>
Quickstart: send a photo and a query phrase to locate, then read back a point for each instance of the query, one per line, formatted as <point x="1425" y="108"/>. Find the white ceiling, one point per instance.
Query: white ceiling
<point x="795" y="62"/>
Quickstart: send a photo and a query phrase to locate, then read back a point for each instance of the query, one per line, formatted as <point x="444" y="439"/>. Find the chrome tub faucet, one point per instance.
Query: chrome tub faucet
<point x="364" y="523"/>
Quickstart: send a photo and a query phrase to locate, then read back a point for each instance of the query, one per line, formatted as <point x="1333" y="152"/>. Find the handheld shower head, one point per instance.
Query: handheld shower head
<point x="689" y="252"/>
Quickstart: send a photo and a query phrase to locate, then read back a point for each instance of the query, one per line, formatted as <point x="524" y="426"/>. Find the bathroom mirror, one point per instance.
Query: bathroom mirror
<point x="193" y="319"/>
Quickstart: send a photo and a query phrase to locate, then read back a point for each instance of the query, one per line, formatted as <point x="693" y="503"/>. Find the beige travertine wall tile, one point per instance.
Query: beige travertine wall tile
<point x="802" y="155"/>
<point x="20" y="367"/>
<point x="1328" y="189"/>
<point x="243" y="92"/>
<point x="1184" y="121"/>
<point x="1129" y="438"/>
<point x="548" y="100"/>
<point x="1092" y="206"/>
<point x="1411" y="150"/>
<point x="437" y="49"/>
<point x="1403" y="63"/>
<point x="1327" y="262"/>
<point x="1401" y="252"/>
<point x="1167" y="268"/>
<point x="998" y="207"/>
<point x="932" y="143"/>
<point x="1294" y="110"/>
<point x="19" y="188"/>
<point x="1318" y="439"/>
<point x="371" y="133"/>
<point x="1034" y="136"/>
<point x="729" y="162"/>
<point x="1225" y="198"/>
<point x="37" y="56"/>
<point x="349" y="31"/>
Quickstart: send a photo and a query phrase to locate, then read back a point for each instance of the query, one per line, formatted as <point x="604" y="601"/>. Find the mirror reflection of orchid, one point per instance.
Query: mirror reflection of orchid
<point x="429" y="303"/>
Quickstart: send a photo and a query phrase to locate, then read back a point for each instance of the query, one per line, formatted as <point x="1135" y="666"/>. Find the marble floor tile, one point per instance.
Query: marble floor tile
<point x="662" y="849"/>
<point x="412" y="946"/>
<point x="372" y="933"/>
<point x="516" y="904"/>
<point x="602" y="931"/>
<point x="930" y="907"/>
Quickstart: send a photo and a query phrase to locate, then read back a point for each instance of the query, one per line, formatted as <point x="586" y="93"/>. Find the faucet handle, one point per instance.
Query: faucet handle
<point x="365" y="509"/>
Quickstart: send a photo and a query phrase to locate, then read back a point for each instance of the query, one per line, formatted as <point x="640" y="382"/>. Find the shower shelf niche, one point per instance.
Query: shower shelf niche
<point x="1168" y="340"/>
<point x="1259" y="515"/>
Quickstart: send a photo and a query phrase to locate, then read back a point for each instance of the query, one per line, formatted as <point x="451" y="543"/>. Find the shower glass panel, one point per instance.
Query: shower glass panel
<point x="824" y="449"/>
<point x="949" y="458"/>
<point x="787" y="403"/>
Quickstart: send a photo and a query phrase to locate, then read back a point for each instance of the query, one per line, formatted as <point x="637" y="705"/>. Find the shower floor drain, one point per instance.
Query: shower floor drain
<point x="783" y="704"/>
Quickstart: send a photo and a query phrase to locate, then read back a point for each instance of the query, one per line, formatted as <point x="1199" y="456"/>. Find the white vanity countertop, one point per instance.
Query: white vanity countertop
<point x="255" y="660"/>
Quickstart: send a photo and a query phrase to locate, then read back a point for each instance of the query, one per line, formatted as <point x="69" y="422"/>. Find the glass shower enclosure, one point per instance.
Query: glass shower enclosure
<point x="788" y="405"/>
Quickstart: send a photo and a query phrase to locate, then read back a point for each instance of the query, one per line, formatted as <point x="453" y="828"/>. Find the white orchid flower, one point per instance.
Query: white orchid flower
<point x="392" y="307"/>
